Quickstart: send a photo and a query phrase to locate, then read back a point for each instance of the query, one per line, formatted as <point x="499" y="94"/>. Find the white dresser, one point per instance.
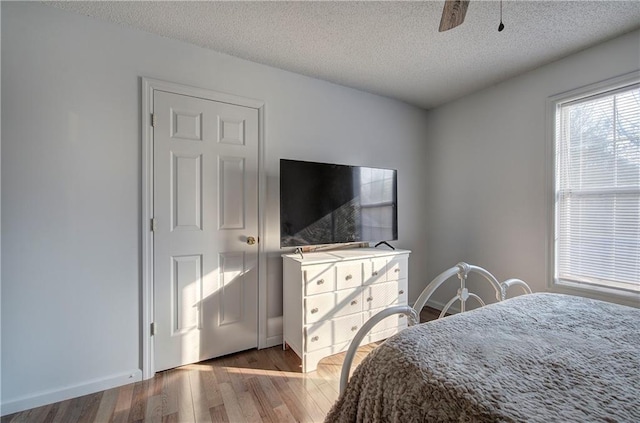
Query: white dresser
<point x="329" y="295"/>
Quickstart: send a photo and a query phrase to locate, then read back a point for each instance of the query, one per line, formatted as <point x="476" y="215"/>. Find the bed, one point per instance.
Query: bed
<point x="533" y="358"/>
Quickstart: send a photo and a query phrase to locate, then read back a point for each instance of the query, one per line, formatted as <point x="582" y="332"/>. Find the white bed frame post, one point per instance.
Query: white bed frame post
<point x="463" y="292"/>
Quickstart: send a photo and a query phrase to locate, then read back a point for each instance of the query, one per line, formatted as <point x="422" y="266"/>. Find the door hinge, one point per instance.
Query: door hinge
<point x="153" y="119"/>
<point x="153" y="329"/>
<point x="154" y="224"/>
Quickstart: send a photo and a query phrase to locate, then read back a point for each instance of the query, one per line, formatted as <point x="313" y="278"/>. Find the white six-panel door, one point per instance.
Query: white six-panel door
<point x="205" y="212"/>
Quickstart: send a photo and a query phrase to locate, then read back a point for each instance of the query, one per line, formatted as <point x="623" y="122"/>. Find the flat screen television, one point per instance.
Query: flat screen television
<point x="322" y="203"/>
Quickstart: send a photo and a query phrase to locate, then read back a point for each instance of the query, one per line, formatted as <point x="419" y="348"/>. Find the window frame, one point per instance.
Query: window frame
<point x="553" y="104"/>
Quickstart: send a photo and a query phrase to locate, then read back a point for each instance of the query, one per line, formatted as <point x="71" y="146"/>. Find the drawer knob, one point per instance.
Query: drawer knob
<point x="314" y="310"/>
<point x="370" y="299"/>
<point x="348" y="277"/>
<point x="401" y="291"/>
<point x="354" y="302"/>
<point x="374" y="274"/>
<point x="314" y="339"/>
<point x="354" y="328"/>
<point x="397" y="270"/>
<point x="320" y="281"/>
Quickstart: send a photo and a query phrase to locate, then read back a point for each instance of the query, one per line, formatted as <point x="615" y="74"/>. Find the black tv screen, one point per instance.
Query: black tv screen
<point x="323" y="203"/>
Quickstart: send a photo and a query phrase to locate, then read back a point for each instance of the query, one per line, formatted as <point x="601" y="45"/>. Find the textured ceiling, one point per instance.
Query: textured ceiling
<point x="388" y="48"/>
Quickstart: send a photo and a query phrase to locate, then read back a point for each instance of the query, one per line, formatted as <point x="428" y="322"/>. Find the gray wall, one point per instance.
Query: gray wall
<point x="71" y="184"/>
<point x="488" y="195"/>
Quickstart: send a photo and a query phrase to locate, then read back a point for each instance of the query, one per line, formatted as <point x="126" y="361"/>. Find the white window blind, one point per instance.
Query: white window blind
<point x="597" y="185"/>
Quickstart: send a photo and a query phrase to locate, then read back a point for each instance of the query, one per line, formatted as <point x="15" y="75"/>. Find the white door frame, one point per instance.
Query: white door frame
<point x="149" y="85"/>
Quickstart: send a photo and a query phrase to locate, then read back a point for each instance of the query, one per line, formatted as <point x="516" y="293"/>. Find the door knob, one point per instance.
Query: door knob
<point x="251" y="240"/>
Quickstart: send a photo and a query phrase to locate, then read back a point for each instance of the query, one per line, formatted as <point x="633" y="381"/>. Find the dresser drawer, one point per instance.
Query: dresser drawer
<point x="349" y="275"/>
<point x="397" y="268"/>
<point x="403" y="291"/>
<point x="349" y="301"/>
<point x="331" y="305"/>
<point x="319" y="307"/>
<point x="319" y="278"/>
<point x="391" y="322"/>
<point x="375" y="271"/>
<point x="329" y="332"/>
<point x="384" y="294"/>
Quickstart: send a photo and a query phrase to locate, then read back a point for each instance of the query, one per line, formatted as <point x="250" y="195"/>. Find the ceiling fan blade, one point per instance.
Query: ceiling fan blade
<point x="453" y="14"/>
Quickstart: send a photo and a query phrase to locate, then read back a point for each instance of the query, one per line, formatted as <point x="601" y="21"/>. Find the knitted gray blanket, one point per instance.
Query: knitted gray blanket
<point x="533" y="358"/>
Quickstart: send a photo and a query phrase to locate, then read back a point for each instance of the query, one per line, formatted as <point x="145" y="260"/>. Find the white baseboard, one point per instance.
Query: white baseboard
<point x="272" y="341"/>
<point x="55" y="395"/>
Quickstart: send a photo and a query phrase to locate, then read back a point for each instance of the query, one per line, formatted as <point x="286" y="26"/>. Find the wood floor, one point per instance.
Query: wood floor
<point x="250" y="386"/>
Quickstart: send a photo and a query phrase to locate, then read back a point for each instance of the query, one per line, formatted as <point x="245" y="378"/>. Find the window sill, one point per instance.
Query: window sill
<point x="620" y="296"/>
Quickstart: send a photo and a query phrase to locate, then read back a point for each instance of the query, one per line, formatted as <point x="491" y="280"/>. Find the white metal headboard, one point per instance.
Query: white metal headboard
<point x="413" y="313"/>
<point x="463" y="270"/>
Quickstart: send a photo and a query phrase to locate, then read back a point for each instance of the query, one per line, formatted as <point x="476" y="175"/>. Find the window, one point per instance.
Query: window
<point x="596" y="149"/>
<point x="378" y="202"/>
